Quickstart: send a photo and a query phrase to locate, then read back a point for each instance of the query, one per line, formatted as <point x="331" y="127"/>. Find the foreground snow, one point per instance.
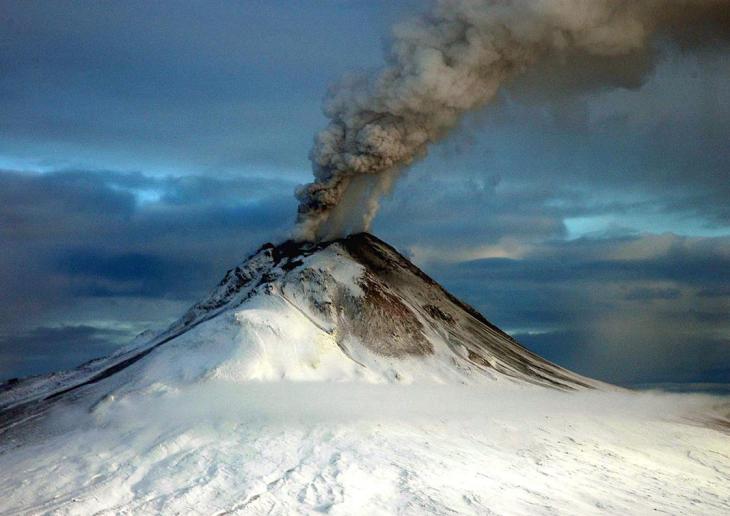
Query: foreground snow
<point x="349" y="448"/>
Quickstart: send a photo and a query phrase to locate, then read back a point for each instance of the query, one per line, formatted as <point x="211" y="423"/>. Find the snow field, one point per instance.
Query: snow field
<point x="348" y="448"/>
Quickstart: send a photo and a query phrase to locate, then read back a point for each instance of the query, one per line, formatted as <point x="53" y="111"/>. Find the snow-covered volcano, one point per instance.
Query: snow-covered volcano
<point x="356" y="308"/>
<point x="339" y="378"/>
<point x="349" y="309"/>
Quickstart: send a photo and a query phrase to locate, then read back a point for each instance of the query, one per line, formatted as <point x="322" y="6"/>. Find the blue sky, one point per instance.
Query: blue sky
<point x="147" y="147"/>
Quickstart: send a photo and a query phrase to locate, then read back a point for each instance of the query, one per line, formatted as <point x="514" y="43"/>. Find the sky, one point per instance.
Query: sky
<point x="146" y="148"/>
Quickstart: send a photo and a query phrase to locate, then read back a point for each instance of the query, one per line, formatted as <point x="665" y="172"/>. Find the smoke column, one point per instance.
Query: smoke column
<point x="454" y="59"/>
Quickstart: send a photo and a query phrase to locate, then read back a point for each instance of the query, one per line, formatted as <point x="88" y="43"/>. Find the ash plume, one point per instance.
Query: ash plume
<point x="455" y="58"/>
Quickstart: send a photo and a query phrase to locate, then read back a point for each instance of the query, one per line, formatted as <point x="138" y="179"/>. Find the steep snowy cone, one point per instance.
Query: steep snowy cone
<point x="348" y="310"/>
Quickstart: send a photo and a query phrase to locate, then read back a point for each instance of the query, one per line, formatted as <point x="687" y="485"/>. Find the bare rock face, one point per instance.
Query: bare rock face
<point x="431" y="309"/>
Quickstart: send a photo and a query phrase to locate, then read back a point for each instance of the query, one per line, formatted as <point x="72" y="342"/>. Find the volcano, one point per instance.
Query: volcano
<point x="337" y="377"/>
<point x="352" y="308"/>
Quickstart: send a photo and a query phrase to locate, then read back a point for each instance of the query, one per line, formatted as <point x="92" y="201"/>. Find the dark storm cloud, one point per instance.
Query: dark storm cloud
<point x="698" y="264"/>
<point x="647" y="293"/>
<point x="219" y="86"/>
<point x="715" y="291"/>
<point x="30" y="205"/>
<point x="665" y="358"/>
<point x="90" y="273"/>
<point x="47" y="349"/>
<point x="468" y="210"/>
<point x="594" y="302"/>
<point x="88" y="233"/>
<point x="682" y="267"/>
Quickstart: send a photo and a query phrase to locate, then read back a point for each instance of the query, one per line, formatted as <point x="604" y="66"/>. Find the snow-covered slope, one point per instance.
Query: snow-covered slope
<point x="285" y="447"/>
<point x="339" y="378"/>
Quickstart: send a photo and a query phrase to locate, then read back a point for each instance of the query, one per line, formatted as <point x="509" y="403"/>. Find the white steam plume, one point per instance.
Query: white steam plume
<point x="452" y="60"/>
